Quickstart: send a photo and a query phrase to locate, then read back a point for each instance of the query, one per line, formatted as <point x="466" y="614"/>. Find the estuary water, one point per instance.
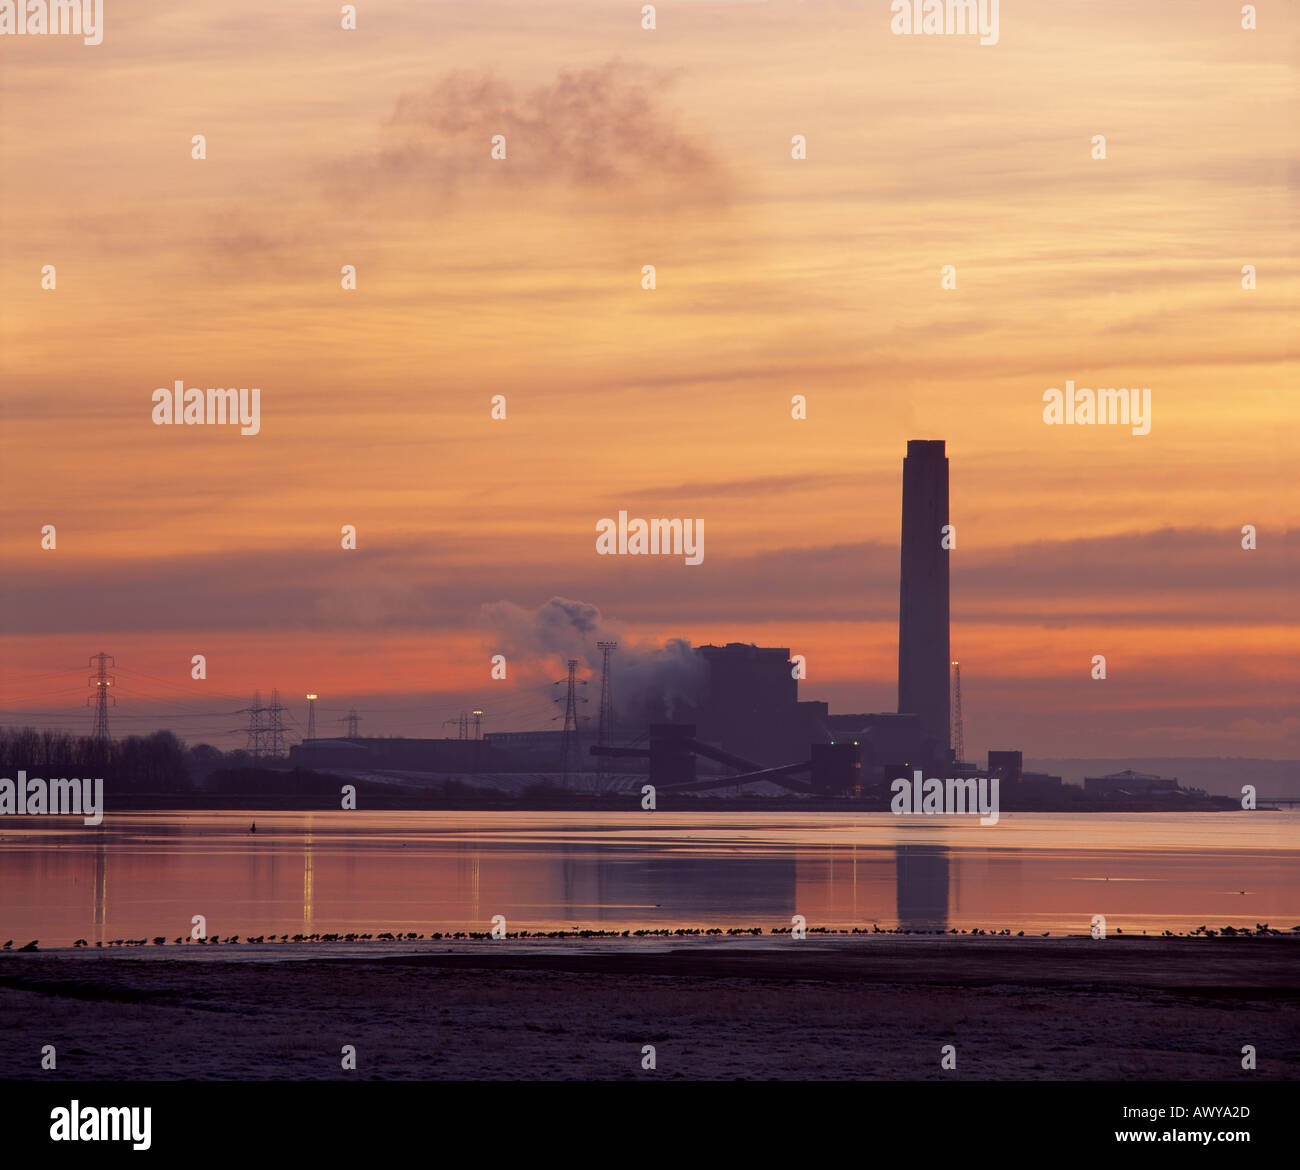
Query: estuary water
<point x="139" y="875"/>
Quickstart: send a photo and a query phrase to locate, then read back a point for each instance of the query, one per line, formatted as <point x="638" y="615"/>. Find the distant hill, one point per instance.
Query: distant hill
<point x="1218" y="776"/>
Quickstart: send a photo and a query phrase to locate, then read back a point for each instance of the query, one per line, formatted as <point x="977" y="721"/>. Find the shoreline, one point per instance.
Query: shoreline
<point x="581" y="1009"/>
<point x="387" y="943"/>
<point x="685" y="939"/>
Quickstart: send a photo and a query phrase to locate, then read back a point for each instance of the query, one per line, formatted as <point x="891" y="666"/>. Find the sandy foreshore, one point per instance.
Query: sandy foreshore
<point x="851" y="1008"/>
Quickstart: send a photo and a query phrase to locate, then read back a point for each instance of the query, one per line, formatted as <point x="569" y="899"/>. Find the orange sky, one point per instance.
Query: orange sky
<point x="775" y="276"/>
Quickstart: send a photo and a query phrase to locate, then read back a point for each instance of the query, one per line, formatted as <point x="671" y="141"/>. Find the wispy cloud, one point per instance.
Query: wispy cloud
<point x="606" y="130"/>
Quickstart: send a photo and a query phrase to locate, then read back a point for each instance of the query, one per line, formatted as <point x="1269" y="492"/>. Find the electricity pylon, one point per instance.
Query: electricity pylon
<point x="958" y="731"/>
<point x="101" y="680"/>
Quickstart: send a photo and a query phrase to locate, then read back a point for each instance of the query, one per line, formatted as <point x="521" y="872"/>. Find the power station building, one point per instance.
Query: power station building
<point x="750" y="705"/>
<point x="747" y="714"/>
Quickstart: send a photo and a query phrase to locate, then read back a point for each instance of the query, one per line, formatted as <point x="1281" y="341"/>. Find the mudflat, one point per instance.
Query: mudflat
<point x="846" y="1008"/>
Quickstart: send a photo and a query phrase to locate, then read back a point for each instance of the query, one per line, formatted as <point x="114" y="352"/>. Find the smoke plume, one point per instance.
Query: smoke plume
<point x="650" y="682"/>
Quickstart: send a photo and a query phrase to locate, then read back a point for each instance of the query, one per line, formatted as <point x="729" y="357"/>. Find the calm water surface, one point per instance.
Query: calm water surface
<point x="145" y="874"/>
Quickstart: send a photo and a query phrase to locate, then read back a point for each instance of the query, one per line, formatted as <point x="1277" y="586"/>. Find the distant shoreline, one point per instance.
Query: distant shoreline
<point x="379" y="798"/>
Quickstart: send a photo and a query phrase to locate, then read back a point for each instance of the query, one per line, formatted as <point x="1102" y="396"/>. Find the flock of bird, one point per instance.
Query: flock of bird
<point x="1260" y="930"/>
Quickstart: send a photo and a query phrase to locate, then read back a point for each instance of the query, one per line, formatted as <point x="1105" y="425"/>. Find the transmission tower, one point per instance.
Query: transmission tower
<point x="958" y="732"/>
<point x="255" y="730"/>
<point x="101" y="680"/>
<point x="351" y="719"/>
<point x="461" y="723"/>
<point x="569" y="737"/>
<point x="605" y="728"/>
<point x="605" y="732"/>
<point x="311" y="716"/>
<point x="274" y="732"/>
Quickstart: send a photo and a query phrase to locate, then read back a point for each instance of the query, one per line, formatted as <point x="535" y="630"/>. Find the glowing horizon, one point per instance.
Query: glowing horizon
<point x="522" y="277"/>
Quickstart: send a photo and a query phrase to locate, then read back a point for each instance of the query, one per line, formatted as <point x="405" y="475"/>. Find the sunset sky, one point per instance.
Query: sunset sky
<point x="775" y="277"/>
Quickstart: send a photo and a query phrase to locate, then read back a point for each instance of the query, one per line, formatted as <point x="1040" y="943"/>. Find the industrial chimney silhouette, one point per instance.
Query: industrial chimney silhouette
<point x="923" y="595"/>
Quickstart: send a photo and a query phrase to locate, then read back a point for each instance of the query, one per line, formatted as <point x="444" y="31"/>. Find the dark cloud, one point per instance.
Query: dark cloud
<point x="1169" y="576"/>
<point x="604" y="130"/>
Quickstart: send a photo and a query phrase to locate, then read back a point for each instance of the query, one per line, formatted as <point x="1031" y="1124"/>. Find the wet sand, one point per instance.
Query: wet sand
<point x="850" y="1008"/>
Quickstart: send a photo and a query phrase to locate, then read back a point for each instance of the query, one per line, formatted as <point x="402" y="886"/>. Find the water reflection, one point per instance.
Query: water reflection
<point x="421" y="872"/>
<point x="307" y="885"/>
<point x="922" y="886"/>
<point x="101" y="886"/>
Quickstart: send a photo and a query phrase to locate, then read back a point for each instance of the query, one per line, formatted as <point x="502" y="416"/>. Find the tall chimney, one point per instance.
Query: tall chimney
<point x="923" y="594"/>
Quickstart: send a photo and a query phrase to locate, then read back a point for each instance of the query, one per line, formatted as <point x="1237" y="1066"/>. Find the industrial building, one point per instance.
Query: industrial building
<point x="398" y="754"/>
<point x="1017" y="785"/>
<point x="751" y="705"/>
<point x="1119" y="785"/>
<point x="747" y="721"/>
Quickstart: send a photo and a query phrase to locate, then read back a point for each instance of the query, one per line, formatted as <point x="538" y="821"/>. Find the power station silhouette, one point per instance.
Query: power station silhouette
<point x="748" y="721"/>
<point x="923" y="659"/>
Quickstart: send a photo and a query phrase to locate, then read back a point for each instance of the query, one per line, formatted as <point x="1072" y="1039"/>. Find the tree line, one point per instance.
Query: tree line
<point x="137" y="763"/>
